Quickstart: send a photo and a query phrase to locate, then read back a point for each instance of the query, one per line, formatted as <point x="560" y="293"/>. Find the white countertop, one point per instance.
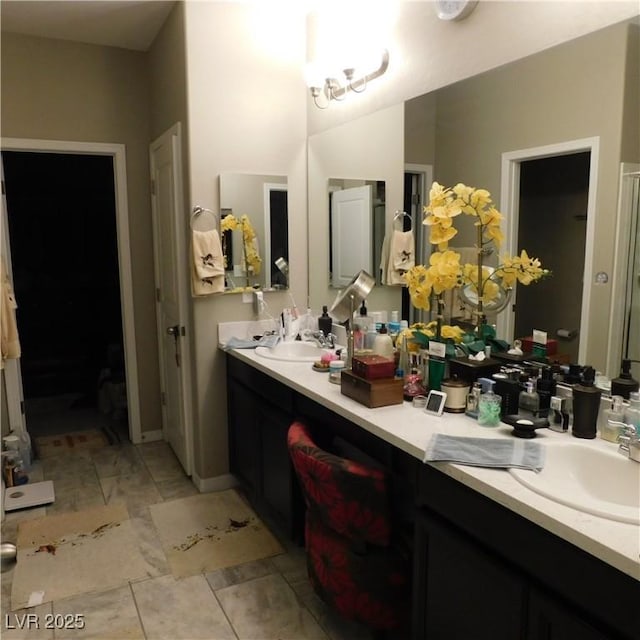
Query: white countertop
<point x="409" y="429"/>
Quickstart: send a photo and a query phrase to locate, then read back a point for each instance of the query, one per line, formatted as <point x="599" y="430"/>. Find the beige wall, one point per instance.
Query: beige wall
<point x="57" y="90"/>
<point x="247" y="114"/>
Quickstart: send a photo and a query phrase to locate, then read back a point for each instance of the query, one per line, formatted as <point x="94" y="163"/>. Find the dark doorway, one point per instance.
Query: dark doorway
<point x="554" y="194"/>
<point x="279" y="233"/>
<point x="64" y="254"/>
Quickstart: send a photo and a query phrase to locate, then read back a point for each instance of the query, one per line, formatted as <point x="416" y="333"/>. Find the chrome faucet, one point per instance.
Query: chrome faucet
<point x="628" y="441"/>
<point x="326" y="342"/>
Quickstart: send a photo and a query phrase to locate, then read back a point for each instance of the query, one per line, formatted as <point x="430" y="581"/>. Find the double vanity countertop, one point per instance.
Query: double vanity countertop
<point x="410" y="429"/>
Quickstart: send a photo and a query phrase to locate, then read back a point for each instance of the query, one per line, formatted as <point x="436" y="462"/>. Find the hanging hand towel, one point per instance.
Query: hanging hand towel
<point x="207" y="273"/>
<point x="384" y="259"/>
<point x="8" y="327"/>
<point x="401" y="256"/>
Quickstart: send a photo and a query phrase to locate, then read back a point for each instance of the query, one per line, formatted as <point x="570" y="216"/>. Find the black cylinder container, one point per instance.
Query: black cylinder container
<point x="325" y="322"/>
<point x="586" y="404"/>
<point x="625" y="383"/>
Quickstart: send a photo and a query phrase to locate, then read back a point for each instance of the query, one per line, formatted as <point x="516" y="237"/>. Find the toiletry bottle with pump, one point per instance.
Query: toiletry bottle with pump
<point x="586" y="404"/>
<point x="632" y="414"/>
<point x="610" y="428"/>
<point x="361" y="325"/>
<point x="546" y="388"/>
<point x="624" y="384"/>
<point x="529" y="400"/>
<point x="489" y="406"/>
<point x="325" y="322"/>
<point x="383" y="345"/>
<point x="473" y="400"/>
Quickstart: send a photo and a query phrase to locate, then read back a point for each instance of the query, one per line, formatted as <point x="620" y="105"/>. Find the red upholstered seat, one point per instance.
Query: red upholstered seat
<point x="352" y="560"/>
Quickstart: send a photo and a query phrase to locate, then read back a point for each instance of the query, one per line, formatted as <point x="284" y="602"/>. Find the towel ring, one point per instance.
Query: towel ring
<point x="403" y="214"/>
<point x="203" y="219"/>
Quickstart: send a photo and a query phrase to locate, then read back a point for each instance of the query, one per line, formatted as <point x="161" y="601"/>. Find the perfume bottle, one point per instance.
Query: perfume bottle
<point x="473" y="400"/>
<point x="529" y="400"/>
<point x="611" y="427"/>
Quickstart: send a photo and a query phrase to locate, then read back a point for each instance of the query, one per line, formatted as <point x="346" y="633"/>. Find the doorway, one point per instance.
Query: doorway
<point x="62" y="223"/>
<point x="554" y="203"/>
<point x="552" y="226"/>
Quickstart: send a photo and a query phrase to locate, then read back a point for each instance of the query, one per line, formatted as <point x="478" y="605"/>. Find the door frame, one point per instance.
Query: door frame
<point x="509" y="205"/>
<point x="118" y="153"/>
<point x="182" y="257"/>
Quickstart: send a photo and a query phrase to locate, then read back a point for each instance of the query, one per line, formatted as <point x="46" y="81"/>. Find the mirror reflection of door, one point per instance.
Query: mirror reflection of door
<point x="276" y="234"/>
<point x="552" y="226"/>
<point x="351" y="233"/>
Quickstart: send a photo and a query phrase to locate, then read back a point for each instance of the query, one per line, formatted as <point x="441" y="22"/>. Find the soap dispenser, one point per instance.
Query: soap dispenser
<point x="324" y="322"/>
<point x="361" y="325"/>
<point x="610" y="428"/>
<point x="489" y="406"/>
<point x="529" y="400"/>
<point x="632" y="414"/>
<point x="624" y="384"/>
<point x="586" y="404"/>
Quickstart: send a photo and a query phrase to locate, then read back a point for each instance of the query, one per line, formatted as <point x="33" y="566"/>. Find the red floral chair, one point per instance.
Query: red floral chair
<point x="353" y="563"/>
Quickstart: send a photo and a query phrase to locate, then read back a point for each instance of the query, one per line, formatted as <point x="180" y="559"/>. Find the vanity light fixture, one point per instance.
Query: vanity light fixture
<point x="333" y="89"/>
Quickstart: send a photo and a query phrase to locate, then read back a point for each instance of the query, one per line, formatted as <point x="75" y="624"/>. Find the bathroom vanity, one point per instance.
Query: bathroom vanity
<point x="492" y="559"/>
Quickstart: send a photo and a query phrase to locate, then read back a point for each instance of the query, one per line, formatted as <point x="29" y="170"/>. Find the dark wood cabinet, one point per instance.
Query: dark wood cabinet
<point x="480" y="569"/>
<point x="462" y="591"/>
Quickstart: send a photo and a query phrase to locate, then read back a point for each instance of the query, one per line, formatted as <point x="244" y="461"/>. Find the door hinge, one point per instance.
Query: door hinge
<point x="22" y="411"/>
<point x="415" y="198"/>
<point x="183" y="331"/>
<point x="513" y="308"/>
<point x="3" y="191"/>
<point x="157" y="294"/>
<point x="163" y="398"/>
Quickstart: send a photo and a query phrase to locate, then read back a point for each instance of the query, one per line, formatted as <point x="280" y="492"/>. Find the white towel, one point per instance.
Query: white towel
<point x="401" y="256"/>
<point x="207" y="272"/>
<point x="8" y="326"/>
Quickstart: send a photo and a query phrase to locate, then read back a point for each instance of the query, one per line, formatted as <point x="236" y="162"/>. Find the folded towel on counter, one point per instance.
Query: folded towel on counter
<point x="207" y="272"/>
<point x="485" y="452"/>
<point x="240" y="343"/>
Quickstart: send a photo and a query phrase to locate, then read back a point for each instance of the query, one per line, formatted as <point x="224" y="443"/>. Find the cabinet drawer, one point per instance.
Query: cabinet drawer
<point x="262" y="385"/>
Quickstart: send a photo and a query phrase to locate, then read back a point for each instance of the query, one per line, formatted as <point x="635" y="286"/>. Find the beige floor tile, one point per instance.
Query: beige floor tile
<point x="178" y="487"/>
<point x="120" y="459"/>
<point x="267" y="608"/>
<point x="136" y="490"/>
<point x="161" y="461"/>
<point x="107" y="615"/>
<point x="184" y="609"/>
<point x="240" y="573"/>
<point x="34" y="623"/>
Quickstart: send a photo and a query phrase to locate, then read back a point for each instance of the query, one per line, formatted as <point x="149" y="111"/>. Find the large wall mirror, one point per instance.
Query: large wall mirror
<point x="548" y="146"/>
<point x="263" y="200"/>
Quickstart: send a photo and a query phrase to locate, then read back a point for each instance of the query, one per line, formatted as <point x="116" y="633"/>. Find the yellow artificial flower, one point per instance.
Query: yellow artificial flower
<point x="419" y="286"/>
<point x="444" y="272"/>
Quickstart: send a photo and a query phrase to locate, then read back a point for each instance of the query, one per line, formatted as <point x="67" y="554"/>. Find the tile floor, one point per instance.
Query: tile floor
<point x="262" y="600"/>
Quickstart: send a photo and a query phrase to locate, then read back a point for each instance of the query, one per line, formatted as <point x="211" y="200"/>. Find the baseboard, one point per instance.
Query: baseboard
<point x="150" y="436"/>
<point x="216" y="483"/>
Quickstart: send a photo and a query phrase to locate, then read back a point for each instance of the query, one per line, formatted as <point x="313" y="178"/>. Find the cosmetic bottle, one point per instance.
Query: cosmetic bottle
<point x="609" y="430"/>
<point x="529" y="400"/>
<point x="473" y="400"/>
<point x="325" y="322"/>
<point x="361" y="324"/>
<point x="489" y="408"/>
<point x="632" y="414"/>
<point x="546" y="388"/>
<point x="383" y="345"/>
<point x="624" y="384"/>
<point x="586" y="404"/>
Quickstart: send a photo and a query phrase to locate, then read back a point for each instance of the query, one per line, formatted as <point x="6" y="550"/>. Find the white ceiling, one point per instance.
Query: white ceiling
<point x="129" y="24"/>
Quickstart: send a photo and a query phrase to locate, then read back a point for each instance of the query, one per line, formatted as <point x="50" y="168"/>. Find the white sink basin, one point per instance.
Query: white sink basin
<point x="293" y="352"/>
<point x="594" y="480"/>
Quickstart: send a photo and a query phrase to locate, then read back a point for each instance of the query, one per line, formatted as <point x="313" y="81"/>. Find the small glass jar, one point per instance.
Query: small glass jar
<point x="489" y="406"/>
<point x="336" y="367"/>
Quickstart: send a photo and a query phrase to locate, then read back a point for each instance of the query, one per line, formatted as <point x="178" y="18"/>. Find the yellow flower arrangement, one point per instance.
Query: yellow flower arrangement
<point x="253" y="262"/>
<point x="445" y="271"/>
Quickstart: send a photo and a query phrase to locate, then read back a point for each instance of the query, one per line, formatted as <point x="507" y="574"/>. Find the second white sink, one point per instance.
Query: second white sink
<point x="588" y="478"/>
<point x="293" y="352"/>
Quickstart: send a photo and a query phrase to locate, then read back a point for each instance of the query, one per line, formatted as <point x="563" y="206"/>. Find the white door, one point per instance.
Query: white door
<point x="170" y="258"/>
<point x="11" y="374"/>
<point x="351" y="234"/>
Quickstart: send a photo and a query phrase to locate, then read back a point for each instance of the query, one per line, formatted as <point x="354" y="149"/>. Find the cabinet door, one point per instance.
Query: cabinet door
<point x="553" y="620"/>
<point x="244" y="437"/>
<point x="461" y="591"/>
<point x="277" y="470"/>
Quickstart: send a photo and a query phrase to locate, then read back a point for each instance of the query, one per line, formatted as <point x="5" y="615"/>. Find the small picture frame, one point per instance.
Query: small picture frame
<point x="435" y="402"/>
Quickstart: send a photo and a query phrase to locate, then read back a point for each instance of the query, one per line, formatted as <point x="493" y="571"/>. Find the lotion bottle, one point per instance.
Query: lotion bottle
<point x="383" y="345"/>
<point x="529" y="400"/>
<point x="586" y="404"/>
<point x="324" y="321"/>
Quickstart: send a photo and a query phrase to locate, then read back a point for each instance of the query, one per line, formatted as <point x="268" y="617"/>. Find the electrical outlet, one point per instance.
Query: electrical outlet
<point x="258" y="301"/>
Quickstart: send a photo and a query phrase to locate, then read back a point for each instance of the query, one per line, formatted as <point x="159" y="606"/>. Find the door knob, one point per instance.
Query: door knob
<point x="174" y="331"/>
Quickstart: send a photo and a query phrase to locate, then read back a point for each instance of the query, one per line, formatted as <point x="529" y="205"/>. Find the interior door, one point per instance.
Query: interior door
<point x="170" y="261"/>
<point x="351" y="234"/>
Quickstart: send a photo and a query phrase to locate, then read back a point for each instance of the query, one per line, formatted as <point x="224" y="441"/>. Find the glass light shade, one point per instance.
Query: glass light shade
<point x="469" y="296"/>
